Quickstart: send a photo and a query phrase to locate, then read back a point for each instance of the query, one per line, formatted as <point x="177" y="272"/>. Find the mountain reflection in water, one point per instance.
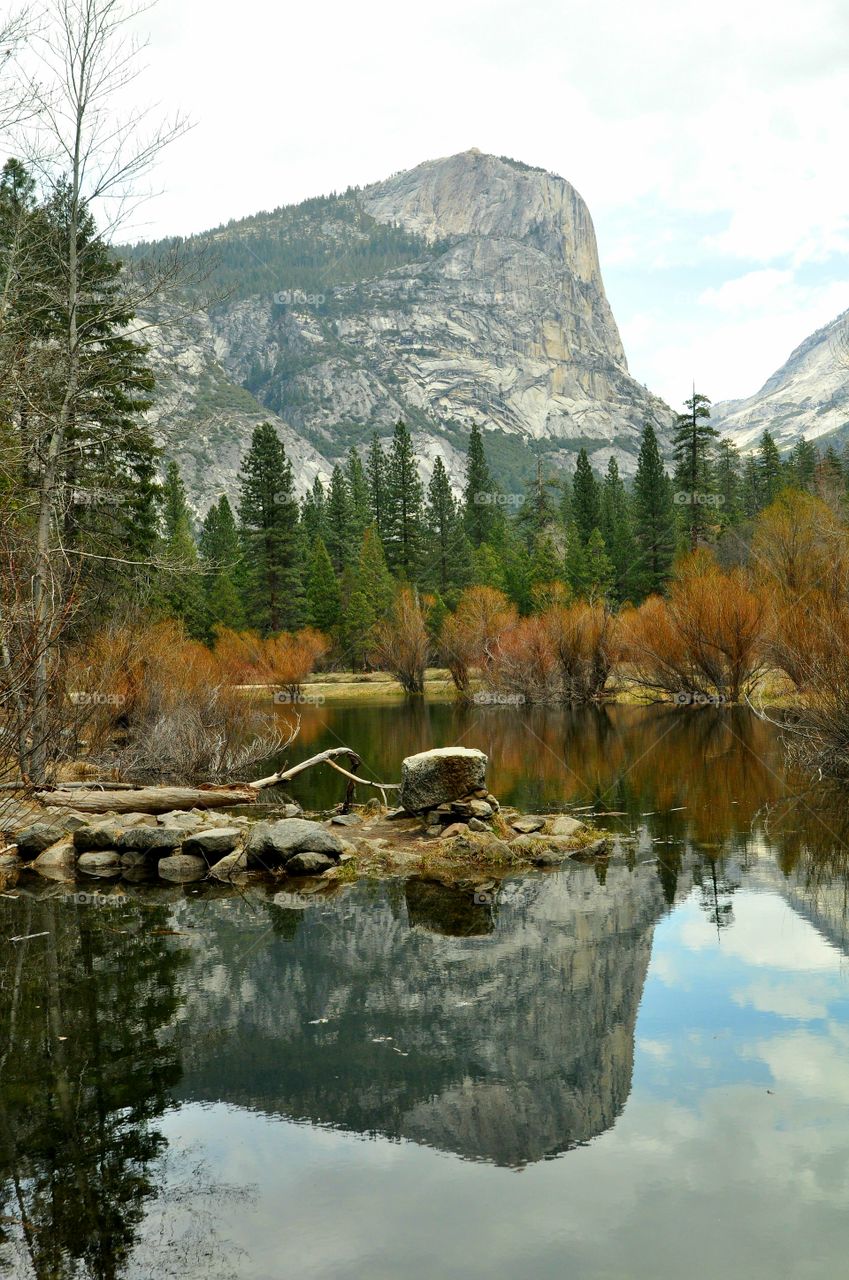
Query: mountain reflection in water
<point x="500" y="1029"/>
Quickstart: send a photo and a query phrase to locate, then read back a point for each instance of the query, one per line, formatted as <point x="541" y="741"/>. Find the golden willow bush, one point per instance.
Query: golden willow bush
<point x="283" y="661"/>
<point x="564" y="653"/>
<point x="152" y="705"/>
<point x="401" y="643"/>
<point x="705" y="642"/>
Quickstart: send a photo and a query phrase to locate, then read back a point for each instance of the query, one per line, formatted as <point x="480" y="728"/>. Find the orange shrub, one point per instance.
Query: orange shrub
<point x="470" y="634"/>
<point x="706" y="642"/>
<point x="565" y="654"/>
<point x="402" y="643"/>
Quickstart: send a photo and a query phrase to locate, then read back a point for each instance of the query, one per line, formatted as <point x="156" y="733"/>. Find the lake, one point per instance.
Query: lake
<point x="625" y="1071"/>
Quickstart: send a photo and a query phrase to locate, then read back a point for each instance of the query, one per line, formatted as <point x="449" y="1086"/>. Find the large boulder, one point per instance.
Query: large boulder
<point x="280" y="841"/>
<point x="182" y="868"/>
<point x="309" y="864"/>
<point x="99" y="836"/>
<point x="34" y="839"/>
<point x="159" y="840"/>
<point x="437" y="777"/>
<point x="212" y="843"/>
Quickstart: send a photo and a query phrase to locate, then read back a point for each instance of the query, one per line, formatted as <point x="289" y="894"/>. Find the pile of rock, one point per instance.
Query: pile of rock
<point x="179" y="847"/>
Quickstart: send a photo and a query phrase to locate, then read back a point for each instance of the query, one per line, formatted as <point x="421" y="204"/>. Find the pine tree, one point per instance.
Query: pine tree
<point x="586" y="503"/>
<point x="357" y="629"/>
<point x="692" y="449"/>
<point x="322" y="589"/>
<point x="770" y="470"/>
<point x="654" y="518"/>
<point x="270" y="534"/>
<point x="517" y="569"/>
<point x="481" y="514"/>
<point x="314" y="512"/>
<point x="339" y="521"/>
<point x="404" y="507"/>
<point x="751" y="488"/>
<point x="447" y="557"/>
<point x="377" y="479"/>
<point x="358" y="492"/>
<point x="545" y="566"/>
<point x="181" y="592"/>
<point x="599" y="570"/>
<point x="575" y="563"/>
<point x="220" y="552"/>
<point x="802" y="465"/>
<point x="728" y="485"/>
<point x="373" y="576"/>
<point x="536" y="514"/>
<point x="487" y="570"/>
<point x="617" y="533"/>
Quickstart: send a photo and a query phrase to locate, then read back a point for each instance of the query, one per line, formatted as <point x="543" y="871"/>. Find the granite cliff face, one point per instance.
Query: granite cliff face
<point x="494" y="312"/>
<point x="807" y="398"/>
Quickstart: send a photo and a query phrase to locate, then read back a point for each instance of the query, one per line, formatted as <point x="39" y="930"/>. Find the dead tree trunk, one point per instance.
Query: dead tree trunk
<point x="165" y="799"/>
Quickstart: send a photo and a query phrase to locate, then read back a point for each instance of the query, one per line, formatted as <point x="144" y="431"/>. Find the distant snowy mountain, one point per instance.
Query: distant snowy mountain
<point x="807" y="398"/>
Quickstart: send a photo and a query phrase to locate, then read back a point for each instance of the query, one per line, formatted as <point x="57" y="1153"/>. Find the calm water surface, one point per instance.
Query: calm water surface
<point x="614" y="1073"/>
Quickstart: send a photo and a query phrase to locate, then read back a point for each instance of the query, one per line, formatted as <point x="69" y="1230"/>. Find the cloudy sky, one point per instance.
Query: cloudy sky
<point x="709" y="142"/>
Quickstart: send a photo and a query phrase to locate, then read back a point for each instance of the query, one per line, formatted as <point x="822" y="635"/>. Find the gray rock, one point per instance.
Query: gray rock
<point x="346" y="819"/>
<point x="477" y="824"/>
<point x="35" y="839"/>
<point x="455" y="829"/>
<point x="230" y="867"/>
<point x="103" y="860"/>
<point x="563" y="825"/>
<point x="151" y="839"/>
<point x="528" y="824"/>
<point x="103" y="835"/>
<point x="480" y="809"/>
<point x="9" y="860"/>
<point x="279" y="841"/>
<point x="309" y="864"/>
<point x="133" y="859"/>
<point x="181" y="867"/>
<point x="212" y="843"/>
<point x="434" y="830"/>
<point x="432" y="778"/>
<point x="58" y="855"/>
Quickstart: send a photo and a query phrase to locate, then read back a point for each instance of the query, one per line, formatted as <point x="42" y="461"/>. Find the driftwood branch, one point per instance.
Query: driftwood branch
<point x="165" y="799"/>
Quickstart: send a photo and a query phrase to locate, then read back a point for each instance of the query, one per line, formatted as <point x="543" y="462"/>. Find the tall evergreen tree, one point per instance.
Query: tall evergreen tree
<point x="373" y="575"/>
<point x="692" y="449"/>
<point x="404" y="507"/>
<point x="181" y="588"/>
<point x="377" y="478"/>
<point x="314" y="512"/>
<point x="750" y="494"/>
<point x="481" y="513"/>
<point x="654" y="517"/>
<point x="339" y="521"/>
<point x="270" y="534"/>
<point x="802" y="465"/>
<point x="586" y="502"/>
<point x="447" y="555"/>
<point x="358" y="492"/>
<point x="536" y="514"/>
<point x="729" y="488"/>
<point x="617" y="533"/>
<point x="220" y="552"/>
<point x="322" y="590"/>
<point x="770" y="470"/>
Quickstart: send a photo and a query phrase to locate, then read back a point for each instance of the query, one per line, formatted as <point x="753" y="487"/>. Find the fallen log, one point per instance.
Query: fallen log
<point x="164" y="799"/>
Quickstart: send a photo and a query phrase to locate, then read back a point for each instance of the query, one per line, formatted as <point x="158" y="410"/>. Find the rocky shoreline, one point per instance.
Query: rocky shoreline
<point x="448" y="825"/>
